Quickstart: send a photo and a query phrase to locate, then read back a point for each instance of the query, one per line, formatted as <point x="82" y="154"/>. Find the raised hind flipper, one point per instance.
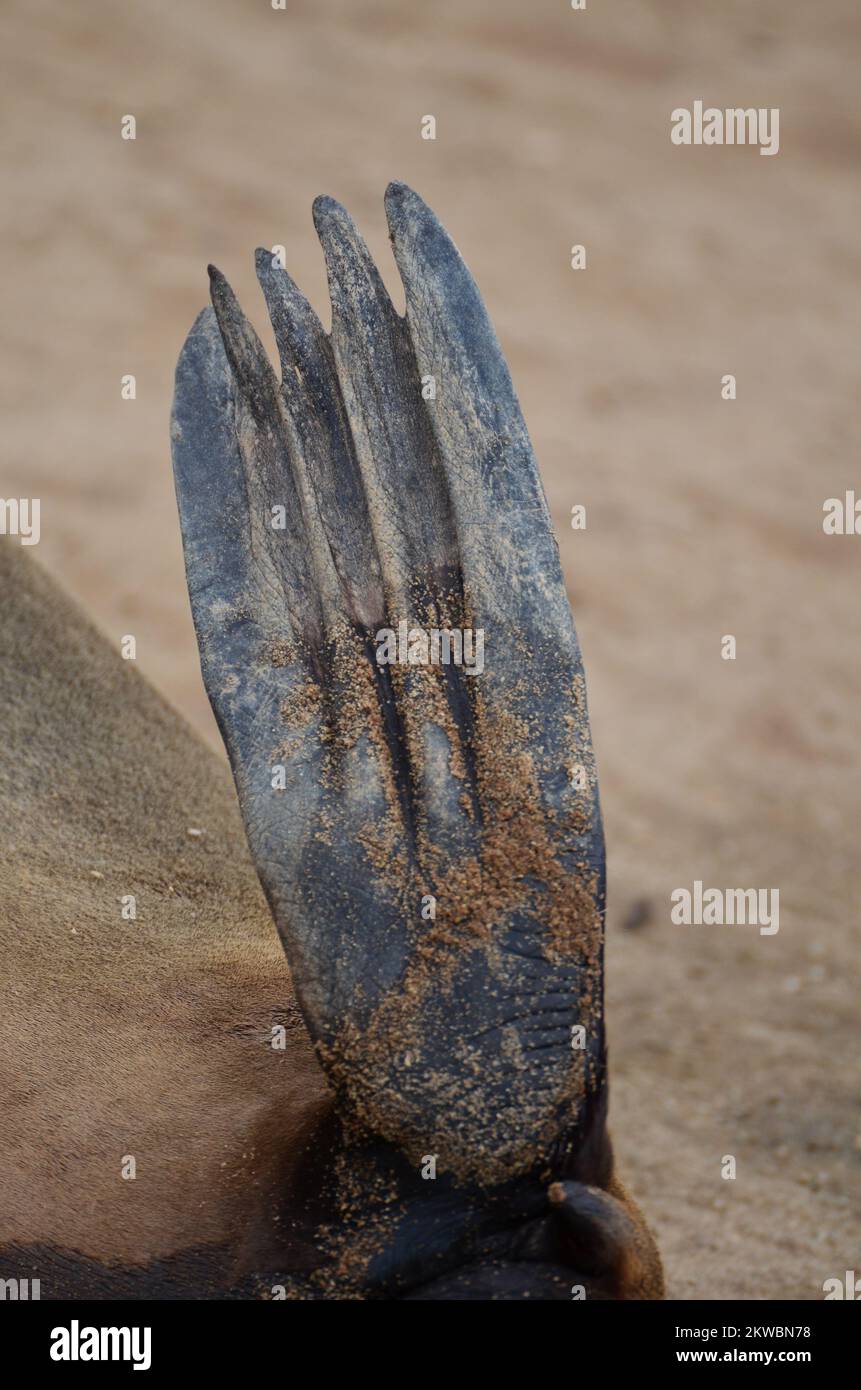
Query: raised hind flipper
<point x="428" y="833"/>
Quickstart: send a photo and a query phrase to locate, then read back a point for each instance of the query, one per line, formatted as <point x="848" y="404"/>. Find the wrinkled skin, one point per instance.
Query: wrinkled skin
<point x="429" y="839"/>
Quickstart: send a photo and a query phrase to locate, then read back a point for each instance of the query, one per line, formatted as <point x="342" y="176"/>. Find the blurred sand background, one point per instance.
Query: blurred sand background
<point x="704" y="516"/>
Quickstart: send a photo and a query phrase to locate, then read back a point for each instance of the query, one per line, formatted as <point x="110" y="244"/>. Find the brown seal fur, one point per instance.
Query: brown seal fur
<point x="149" y="1038"/>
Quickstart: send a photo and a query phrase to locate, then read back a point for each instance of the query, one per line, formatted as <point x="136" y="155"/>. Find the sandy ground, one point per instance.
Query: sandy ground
<point x="704" y="515"/>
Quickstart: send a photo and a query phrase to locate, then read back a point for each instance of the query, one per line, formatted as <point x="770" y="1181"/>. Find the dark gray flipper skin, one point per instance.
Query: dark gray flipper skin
<point x="368" y="789"/>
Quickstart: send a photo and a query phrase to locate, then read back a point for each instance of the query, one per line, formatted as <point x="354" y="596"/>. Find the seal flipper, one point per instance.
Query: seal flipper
<point x="434" y="865"/>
